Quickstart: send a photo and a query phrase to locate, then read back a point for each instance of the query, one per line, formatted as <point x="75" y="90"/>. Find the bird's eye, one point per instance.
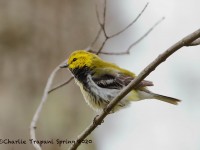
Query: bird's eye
<point x="74" y="59"/>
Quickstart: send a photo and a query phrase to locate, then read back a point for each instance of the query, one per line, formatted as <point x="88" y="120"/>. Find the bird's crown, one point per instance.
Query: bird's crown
<point x="81" y="58"/>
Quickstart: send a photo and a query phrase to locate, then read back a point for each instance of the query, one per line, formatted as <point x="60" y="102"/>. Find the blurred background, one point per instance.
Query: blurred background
<point x="35" y="36"/>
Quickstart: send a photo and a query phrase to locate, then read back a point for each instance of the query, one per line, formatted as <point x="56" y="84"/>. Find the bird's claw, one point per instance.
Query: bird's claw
<point x="95" y="120"/>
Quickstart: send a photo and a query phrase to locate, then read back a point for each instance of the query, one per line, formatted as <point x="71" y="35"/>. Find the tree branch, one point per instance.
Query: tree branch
<point x="194" y="43"/>
<point x="144" y="73"/>
<point x="39" y="109"/>
<point x="128" y="26"/>
<point x="61" y="85"/>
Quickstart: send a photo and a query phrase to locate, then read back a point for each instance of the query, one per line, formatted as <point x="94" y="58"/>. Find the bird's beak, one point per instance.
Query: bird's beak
<point x="65" y="65"/>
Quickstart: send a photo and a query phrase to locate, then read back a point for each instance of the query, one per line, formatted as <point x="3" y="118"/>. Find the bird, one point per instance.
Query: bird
<point x="101" y="81"/>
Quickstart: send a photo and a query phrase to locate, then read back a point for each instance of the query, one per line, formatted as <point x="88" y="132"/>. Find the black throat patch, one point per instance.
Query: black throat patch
<point x="81" y="74"/>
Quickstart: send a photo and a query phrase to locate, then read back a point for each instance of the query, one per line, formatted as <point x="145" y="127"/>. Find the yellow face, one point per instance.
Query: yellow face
<point x="81" y="58"/>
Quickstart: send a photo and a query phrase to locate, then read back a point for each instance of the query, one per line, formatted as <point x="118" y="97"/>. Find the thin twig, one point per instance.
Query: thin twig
<point x="61" y="85"/>
<point x="39" y="109"/>
<point x="104" y="18"/>
<point x="136" y="42"/>
<point x="145" y="35"/>
<point x="98" y="17"/>
<point x="100" y="49"/>
<point x="94" y="41"/>
<point x="143" y="74"/>
<point x="104" y="12"/>
<point x="103" y="24"/>
<point x="128" y="26"/>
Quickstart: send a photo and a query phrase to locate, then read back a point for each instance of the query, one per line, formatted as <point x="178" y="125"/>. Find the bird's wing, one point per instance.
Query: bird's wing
<point x="117" y="81"/>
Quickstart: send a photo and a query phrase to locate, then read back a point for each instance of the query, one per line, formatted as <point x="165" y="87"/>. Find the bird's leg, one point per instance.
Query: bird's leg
<point x="95" y="118"/>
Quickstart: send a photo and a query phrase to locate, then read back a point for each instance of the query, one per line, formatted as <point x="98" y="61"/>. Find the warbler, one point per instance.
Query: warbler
<point x="102" y="81"/>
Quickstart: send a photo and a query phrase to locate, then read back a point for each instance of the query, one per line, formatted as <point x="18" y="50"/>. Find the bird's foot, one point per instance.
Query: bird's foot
<point x="95" y="121"/>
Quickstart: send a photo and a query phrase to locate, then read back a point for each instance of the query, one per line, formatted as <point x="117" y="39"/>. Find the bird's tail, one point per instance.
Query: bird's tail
<point x="167" y="99"/>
